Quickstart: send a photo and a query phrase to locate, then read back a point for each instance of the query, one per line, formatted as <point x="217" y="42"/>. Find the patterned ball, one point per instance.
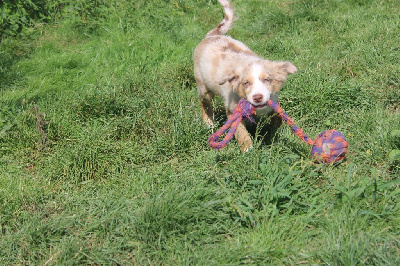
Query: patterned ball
<point x="330" y="147"/>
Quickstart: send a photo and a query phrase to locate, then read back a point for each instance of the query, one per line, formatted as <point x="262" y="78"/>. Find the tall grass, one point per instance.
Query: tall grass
<point x="125" y="175"/>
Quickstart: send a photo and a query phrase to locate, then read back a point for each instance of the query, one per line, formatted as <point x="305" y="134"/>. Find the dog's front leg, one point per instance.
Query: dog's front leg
<point x="243" y="138"/>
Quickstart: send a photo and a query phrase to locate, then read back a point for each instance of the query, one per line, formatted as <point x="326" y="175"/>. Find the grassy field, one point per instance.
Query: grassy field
<point x="104" y="156"/>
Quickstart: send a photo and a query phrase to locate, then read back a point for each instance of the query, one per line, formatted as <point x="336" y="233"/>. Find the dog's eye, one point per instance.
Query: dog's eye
<point x="246" y="83"/>
<point x="266" y="80"/>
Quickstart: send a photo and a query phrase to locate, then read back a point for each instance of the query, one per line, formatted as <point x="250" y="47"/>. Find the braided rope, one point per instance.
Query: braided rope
<point x="243" y="109"/>
<point x="296" y="130"/>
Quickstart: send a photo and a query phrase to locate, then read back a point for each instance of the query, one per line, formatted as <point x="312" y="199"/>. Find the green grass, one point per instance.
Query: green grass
<point x="127" y="177"/>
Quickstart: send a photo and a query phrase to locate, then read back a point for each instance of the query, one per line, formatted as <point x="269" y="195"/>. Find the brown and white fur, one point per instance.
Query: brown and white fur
<point x="227" y="67"/>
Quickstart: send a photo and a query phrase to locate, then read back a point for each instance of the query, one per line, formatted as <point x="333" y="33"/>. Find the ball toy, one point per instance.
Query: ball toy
<point x="329" y="147"/>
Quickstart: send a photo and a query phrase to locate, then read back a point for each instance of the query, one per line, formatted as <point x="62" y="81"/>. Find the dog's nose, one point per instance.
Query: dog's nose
<point x="257" y="98"/>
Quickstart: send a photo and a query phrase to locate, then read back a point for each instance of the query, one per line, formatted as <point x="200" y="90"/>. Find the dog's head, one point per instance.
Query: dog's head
<point x="256" y="81"/>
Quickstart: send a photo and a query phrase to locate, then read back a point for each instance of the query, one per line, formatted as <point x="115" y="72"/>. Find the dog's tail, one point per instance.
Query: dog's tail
<point x="226" y="23"/>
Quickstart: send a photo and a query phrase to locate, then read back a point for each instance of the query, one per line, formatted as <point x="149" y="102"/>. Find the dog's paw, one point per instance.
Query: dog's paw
<point x="249" y="149"/>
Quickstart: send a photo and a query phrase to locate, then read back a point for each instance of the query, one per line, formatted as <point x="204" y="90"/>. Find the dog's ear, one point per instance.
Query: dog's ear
<point x="233" y="78"/>
<point x="279" y="72"/>
<point x="279" y="69"/>
<point x="287" y="67"/>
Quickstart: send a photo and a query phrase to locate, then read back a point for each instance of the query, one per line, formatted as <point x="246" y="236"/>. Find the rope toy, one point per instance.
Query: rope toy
<point x="243" y="109"/>
<point x="329" y="147"/>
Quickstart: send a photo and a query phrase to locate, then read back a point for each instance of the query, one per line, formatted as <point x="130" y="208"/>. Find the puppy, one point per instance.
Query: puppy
<point x="228" y="68"/>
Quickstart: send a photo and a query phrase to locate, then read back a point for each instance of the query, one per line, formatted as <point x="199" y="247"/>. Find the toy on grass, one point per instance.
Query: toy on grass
<point x="329" y="147"/>
<point x="243" y="109"/>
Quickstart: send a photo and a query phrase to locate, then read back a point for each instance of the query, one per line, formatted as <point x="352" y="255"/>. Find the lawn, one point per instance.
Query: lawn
<point x="104" y="155"/>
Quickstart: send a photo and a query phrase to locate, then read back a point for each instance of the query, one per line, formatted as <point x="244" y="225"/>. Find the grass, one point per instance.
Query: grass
<point x="122" y="174"/>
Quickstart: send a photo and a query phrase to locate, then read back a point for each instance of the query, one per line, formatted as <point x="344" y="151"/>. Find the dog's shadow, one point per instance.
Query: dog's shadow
<point x="264" y="130"/>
